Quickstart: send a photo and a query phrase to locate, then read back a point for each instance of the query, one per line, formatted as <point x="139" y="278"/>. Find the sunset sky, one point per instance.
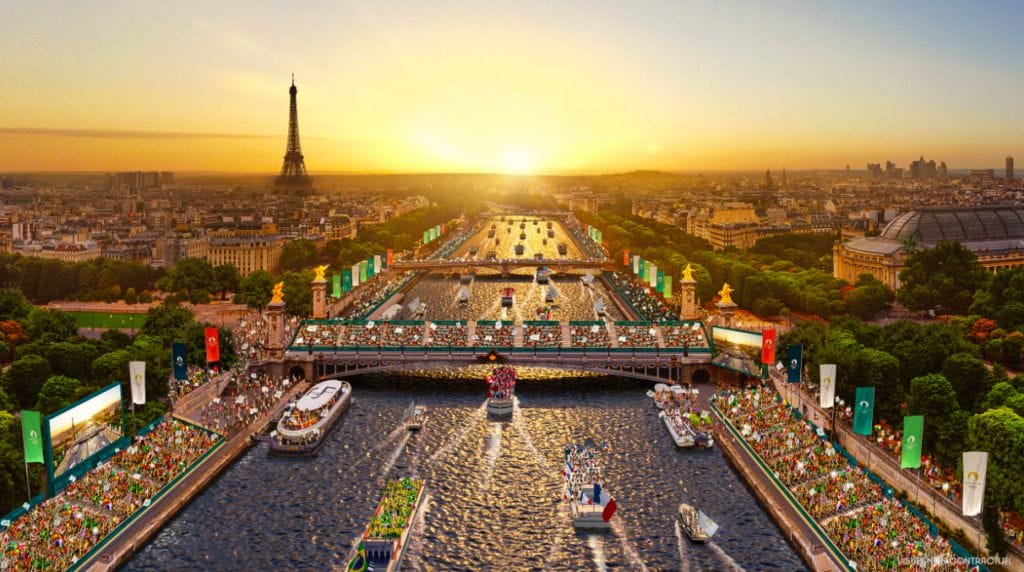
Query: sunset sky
<point x="525" y="86"/>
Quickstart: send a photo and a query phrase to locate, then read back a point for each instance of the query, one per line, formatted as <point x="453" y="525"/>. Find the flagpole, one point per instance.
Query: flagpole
<point x="28" y="485"/>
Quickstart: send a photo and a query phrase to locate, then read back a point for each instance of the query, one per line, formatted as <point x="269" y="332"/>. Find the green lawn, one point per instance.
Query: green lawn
<point x="108" y="320"/>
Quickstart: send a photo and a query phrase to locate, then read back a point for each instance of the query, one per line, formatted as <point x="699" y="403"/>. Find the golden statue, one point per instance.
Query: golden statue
<point x="726" y="294"/>
<point x="278" y="293"/>
<point x="320" y="272"/>
<point x="687" y="273"/>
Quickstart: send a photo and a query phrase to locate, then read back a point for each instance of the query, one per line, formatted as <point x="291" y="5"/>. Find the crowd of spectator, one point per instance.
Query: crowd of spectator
<point x="850" y="505"/>
<point x="636" y="334"/>
<point x="251" y="334"/>
<point x="402" y="334"/>
<point x="56" y="533"/>
<point x="194" y="377"/>
<point x="321" y="334"/>
<point x="449" y="335"/>
<point x="497" y="334"/>
<point x="591" y="249"/>
<point x="690" y="335"/>
<point x="373" y="292"/>
<point x="589" y="336"/>
<point x="637" y="294"/>
<point x="452" y="244"/>
<point x="542" y="335"/>
<point x="247" y="398"/>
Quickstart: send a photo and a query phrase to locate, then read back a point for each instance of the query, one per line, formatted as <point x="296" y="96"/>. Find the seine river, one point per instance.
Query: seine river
<point x="494" y="489"/>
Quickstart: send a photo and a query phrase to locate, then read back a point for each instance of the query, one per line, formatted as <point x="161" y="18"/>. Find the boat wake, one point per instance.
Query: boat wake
<point x="393" y="457"/>
<point x="470" y="423"/>
<point x="627" y="547"/>
<point x="419" y="528"/>
<point x="684" y="558"/>
<point x="728" y="560"/>
<point x="597" y="548"/>
<point x="491" y="454"/>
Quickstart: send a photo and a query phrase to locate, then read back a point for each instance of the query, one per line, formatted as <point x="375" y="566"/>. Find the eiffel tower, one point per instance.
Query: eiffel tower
<point x="293" y="171"/>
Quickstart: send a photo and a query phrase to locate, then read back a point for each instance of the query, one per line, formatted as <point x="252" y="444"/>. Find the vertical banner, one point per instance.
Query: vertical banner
<point x="864" y="413"/>
<point x="600" y="236"/>
<point x="652" y="275"/>
<point x="827" y="393"/>
<point x="137" y="375"/>
<point x="660" y="283"/>
<point x="794" y="363"/>
<point x="975" y="468"/>
<point x="625" y="258"/>
<point x="212" y="345"/>
<point x="390" y="258"/>
<point x="336" y="285"/>
<point x="667" y="293"/>
<point x="444" y="228"/>
<point x="768" y="346"/>
<point x="636" y="264"/>
<point x="362" y="272"/>
<point x="371" y="269"/>
<point x="346" y="280"/>
<point x="426" y="236"/>
<point x="178" y="361"/>
<point x="355" y="275"/>
<point x="377" y="266"/>
<point x="32" y="436"/>
<point x="643" y="270"/>
<point x="913" y="432"/>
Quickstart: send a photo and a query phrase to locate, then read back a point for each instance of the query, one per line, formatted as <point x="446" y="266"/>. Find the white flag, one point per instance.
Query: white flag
<point x="636" y="264"/>
<point x="828" y="385"/>
<point x="975" y="467"/>
<point x="376" y="264"/>
<point x="137" y="374"/>
<point x="355" y="275"/>
<point x="652" y="275"/>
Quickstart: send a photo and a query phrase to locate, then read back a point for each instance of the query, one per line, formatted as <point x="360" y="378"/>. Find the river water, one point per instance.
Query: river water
<point x="494" y="497"/>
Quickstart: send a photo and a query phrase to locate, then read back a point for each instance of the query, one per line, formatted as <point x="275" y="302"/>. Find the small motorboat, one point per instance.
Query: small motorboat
<point x="699" y="527"/>
<point x="415" y="416"/>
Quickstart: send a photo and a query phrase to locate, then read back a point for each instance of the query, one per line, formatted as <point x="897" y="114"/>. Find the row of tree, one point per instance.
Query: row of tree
<point x="103" y="279"/>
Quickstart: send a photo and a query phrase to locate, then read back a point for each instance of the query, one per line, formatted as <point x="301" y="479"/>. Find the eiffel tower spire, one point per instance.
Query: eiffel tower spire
<point x="293" y="171"/>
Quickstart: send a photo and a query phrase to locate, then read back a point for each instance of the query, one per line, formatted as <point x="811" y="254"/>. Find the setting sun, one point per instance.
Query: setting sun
<point x="517" y="162"/>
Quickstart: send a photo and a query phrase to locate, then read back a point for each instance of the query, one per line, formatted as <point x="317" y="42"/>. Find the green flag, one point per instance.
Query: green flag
<point x="32" y="434"/>
<point x="659" y="283"/>
<point x="362" y="271"/>
<point x="346" y="279"/>
<point x="667" y="293"/>
<point x="863" y="415"/>
<point x="371" y="269"/>
<point x="336" y="285"/>
<point x="913" y="430"/>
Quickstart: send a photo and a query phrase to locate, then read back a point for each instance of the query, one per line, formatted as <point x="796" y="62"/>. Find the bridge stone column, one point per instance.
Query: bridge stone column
<point x="727" y="312"/>
<point x="319" y="298"/>
<point x="275" y="334"/>
<point x="688" y="297"/>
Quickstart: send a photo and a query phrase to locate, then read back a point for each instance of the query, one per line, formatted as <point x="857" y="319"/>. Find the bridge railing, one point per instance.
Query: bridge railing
<point x="483" y="349"/>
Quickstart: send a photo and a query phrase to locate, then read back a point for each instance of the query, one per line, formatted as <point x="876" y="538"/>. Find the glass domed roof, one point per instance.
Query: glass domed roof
<point x="929" y="226"/>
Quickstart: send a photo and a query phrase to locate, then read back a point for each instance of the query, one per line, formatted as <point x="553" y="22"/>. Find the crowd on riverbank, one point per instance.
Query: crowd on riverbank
<point x="248" y="397"/>
<point x="373" y="292"/>
<point x="449" y="335"/>
<point x="55" y="534"/>
<point x="542" y="335"/>
<point x="590" y="336"/>
<point x="194" y="377"/>
<point x="636" y="335"/>
<point x="251" y="334"/>
<point x="637" y="294"/>
<point x="829" y="488"/>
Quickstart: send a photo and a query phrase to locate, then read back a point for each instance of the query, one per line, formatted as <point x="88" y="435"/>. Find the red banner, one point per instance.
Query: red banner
<point x="391" y="257"/>
<point x="768" y="346"/>
<point x="212" y="345"/>
<point x="625" y="258"/>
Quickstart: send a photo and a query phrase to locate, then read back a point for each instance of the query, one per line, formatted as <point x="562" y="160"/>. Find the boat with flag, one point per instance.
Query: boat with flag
<point x="686" y="422"/>
<point x="543" y="275"/>
<point x="699" y="527"/>
<point x="385" y="539"/>
<point x="415" y="416"/>
<point x="304" y="425"/>
<point x="417" y="308"/>
<point x="463" y="295"/>
<point x="501" y="387"/>
<point x="508" y="297"/>
<point x="591" y="507"/>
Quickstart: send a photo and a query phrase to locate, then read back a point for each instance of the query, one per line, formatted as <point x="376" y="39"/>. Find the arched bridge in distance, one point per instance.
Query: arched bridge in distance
<point x="504" y="265"/>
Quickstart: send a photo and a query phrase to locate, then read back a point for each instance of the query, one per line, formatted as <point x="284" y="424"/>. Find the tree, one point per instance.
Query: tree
<point x="71" y="360"/>
<point x="969" y="376"/>
<point x="255" y="290"/>
<point x="166" y="322"/>
<point x="1001" y="432"/>
<point x="58" y="392"/>
<point x="13" y="305"/>
<point x="299" y="255"/>
<point x="943" y="277"/>
<point x="51" y="326"/>
<point x="111" y="366"/>
<point x="932" y="396"/>
<point x="298" y="294"/>
<point x="227" y="279"/>
<point x="25" y="377"/>
<point x="189" y="276"/>
<point x="868" y="297"/>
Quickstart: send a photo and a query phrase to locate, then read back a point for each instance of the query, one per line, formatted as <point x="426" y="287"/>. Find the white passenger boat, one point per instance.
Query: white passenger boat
<point x="415" y="416"/>
<point x="698" y="526"/>
<point x="678" y="429"/>
<point x="463" y="295"/>
<point x="304" y="426"/>
<point x="591" y="507"/>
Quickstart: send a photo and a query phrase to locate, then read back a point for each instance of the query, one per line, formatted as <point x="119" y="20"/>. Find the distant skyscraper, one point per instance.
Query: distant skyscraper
<point x="293" y="171"/>
<point x="1009" y="168"/>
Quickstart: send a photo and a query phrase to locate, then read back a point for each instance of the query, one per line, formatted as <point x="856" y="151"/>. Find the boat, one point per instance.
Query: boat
<point x="549" y="224"/>
<point x="522" y="236"/>
<point x="473" y="250"/>
<point x="551" y="233"/>
<point x="600" y="309"/>
<point x="698" y="526"/>
<point x="465" y="278"/>
<point x="501" y="387"/>
<point x="508" y="297"/>
<point x="417" y="308"/>
<point x="463" y="295"/>
<point x="552" y="294"/>
<point x="383" y="543"/>
<point x="544" y="242"/>
<point x="302" y="428"/>
<point x="688" y="425"/>
<point x="588" y="280"/>
<point x="543" y="275"/>
<point x="415" y="416"/>
<point x="661" y="395"/>
<point x="562" y="249"/>
<point x="590" y="505"/>
<point x="490" y="233"/>
<point x="519" y="250"/>
<point x="680" y="431"/>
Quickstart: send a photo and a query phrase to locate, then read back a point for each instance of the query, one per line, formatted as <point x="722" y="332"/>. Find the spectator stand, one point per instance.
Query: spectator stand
<point x="448" y="334"/>
<point x="636" y="334"/>
<point x="542" y="334"/>
<point x="692" y="335"/>
<point x="589" y="334"/>
<point x="403" y="333"/>
<point x="489" y="334"/>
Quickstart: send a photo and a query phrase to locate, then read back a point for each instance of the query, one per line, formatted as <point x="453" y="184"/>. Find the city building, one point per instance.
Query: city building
<point x="994" y="233"/>
<point x="1009" y="168"/>
<point x="248" y="253"/>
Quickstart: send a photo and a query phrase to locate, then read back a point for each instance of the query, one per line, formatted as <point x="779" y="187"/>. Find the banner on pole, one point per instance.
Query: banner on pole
<point x="827" y="393"/>
<point x="864" y="413"/>
<point x="913" y="433"/>
<point x="390" y="258"/>
<point x="768" y="346"/>
<point x="660" y="282"/>
<point x="794" y="363"/>
<point x="625" y="258"/>
<point x="363" y="271"/>
<point x="667" y="293"/>
<point x="975" y="469"/>
<point x="212" y="345"/>
<point x="346" y="280"/>
<point x="355" y="275"/>
<point x="137" y="375"/>
<point x="336" y="285"/>
<point x="652" y="275"/>
<point x="377" y="266"/>
<point x="371" y="269"/>
<point x="179" y="361"/>
<point x="32" y="436"/>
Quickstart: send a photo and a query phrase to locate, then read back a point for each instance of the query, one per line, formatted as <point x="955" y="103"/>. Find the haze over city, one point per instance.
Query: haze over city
<point x="516" y="87"/>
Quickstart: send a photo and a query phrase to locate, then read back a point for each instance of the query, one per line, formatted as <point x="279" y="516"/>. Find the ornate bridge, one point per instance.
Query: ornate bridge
<point x="505" y="265"/>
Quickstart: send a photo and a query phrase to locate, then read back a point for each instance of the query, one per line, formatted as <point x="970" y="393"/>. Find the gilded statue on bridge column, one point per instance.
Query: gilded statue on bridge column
<point x="726" y="294"/>
<point x="320" y="270"/>
<point x="278" y="293"/>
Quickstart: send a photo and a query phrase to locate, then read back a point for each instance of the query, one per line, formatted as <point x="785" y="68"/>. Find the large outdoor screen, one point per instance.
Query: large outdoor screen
<point x="737" y="350"/>
<point x="86" y="428"/>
